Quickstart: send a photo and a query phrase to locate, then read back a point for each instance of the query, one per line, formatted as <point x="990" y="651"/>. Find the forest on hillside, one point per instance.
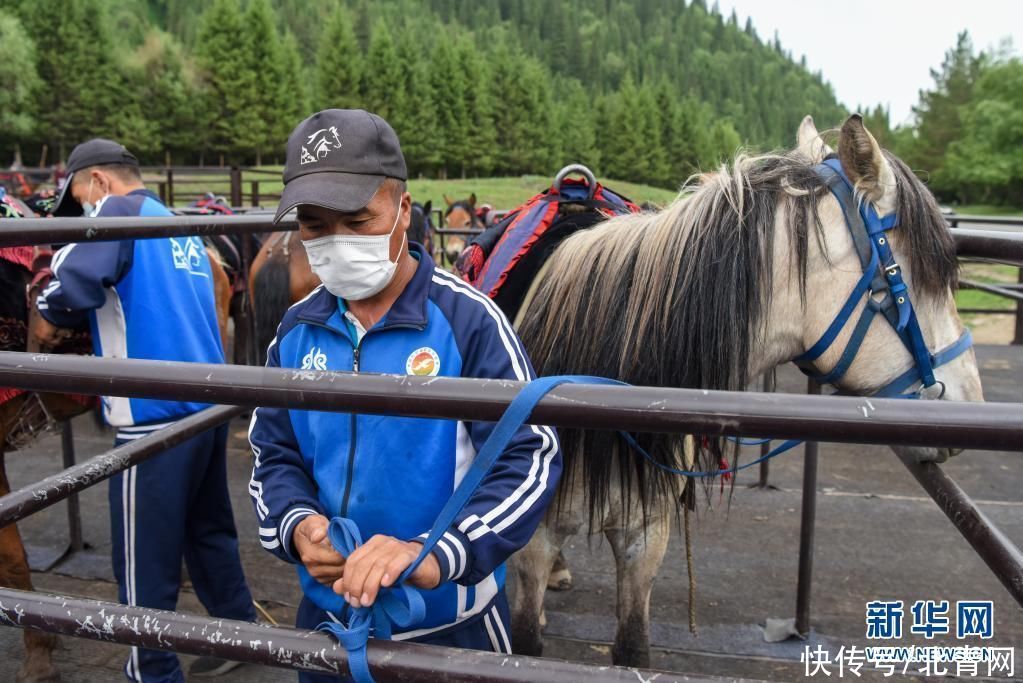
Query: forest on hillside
<point x="644" y="90"/>
<point x="647" y="90"/>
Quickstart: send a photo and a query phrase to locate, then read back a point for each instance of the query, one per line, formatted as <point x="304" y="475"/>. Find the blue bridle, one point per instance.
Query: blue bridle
<point x="886" y="293"/>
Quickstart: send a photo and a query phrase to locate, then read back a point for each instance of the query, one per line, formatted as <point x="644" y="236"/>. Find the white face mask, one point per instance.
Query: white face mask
<point x="88" y="208"/>
<point x="353" y="267"/>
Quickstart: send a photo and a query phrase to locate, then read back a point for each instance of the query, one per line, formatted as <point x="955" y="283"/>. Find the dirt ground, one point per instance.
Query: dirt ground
<point x="878" y="537"/>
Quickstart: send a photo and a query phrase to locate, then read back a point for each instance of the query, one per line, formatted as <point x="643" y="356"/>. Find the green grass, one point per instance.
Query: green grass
<point x="987" y="210"/>
<point x="501" y="193"/>
<point x="507" y="193"/>
<point x="985" y="272"/>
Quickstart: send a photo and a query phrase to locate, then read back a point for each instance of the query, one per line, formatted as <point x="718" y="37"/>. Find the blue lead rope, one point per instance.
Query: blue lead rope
<point x="401" y="605"/>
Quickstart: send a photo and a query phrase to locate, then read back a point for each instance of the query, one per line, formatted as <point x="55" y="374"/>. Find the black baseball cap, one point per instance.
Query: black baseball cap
<point x="337" y="159"/>
<point x="95" y="152"/>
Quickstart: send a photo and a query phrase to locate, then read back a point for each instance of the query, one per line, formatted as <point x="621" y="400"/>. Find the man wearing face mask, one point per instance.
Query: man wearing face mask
<point x="384" y="308"/>
<point x="151" y="299"/>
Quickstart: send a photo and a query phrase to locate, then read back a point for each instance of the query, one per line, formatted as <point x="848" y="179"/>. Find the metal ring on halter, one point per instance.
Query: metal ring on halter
<point x="581" y="170"/>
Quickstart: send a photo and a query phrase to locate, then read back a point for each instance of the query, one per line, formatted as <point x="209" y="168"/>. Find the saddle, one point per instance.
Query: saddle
<point x="504" y="259"/>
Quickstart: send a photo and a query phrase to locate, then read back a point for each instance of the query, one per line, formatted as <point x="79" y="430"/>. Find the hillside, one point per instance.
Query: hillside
<point x="648" y="90"/>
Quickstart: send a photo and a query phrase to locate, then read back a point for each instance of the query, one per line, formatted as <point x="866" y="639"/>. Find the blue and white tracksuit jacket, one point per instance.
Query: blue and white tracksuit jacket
<point x="147" y="298"/>
<point x="153" y="299"/>
<point x="392" y="475"/>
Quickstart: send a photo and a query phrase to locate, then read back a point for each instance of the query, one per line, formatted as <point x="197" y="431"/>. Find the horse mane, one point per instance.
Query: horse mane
<point x="680" y="297"/>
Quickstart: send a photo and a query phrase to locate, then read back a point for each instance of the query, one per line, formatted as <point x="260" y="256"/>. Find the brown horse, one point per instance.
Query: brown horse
<point x="280" y="274"/>
<point x="23" y="416"/>
<point x="222" y="294"/>
<point x="461" y="214"/>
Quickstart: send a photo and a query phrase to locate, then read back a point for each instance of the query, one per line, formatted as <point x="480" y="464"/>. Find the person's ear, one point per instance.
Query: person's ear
<point x="101" y="182"/>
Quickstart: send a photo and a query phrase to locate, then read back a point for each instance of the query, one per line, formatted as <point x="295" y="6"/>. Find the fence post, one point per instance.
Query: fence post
<point x="255" y="192"/>
<point x="236" y="186"/>
<point x="767" y="386"/>
<point x="161" y="189"/>
<point x="170" y="187"/>
<point x="806" y="529"/>
<point x="74" y="510"/>
<point x="1018" y="338"/>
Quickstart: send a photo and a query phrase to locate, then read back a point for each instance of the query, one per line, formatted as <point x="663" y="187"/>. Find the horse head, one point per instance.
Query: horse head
<point x="923" y="348"/>
<point x="459" y="215"/>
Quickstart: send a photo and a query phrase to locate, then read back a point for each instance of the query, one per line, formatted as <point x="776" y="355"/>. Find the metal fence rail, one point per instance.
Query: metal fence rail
<point x="994" y="245"/>
<point x="312" y="651"/>
<point x="997" y="426"/>
<point x="30" y="499"/>
<point x="22" y="231"/>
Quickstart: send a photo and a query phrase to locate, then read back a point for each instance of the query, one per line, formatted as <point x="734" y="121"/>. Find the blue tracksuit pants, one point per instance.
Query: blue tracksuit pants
<point x="486" y="631"/>
<point x="173" y="506"/>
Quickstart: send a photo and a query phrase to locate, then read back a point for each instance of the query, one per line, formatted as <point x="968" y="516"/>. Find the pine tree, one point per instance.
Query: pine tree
<point x="522" y="116"/>
<point x="381" y="84"/>
<point x="72" y="107"/>
<point x="416" y="122"/>
<point x="293" y="100"/>
<point x="264" y="95"/>
<point x="939" y="113"/>
<point x="222" y="57"/>
<point x="18" y="98"/>
<point x="574" y="128"/>
<point x="478" y="154"/>
<point x="449" y="84"/>
<point x="339" y="64"/>
<point x="626" y="141"/>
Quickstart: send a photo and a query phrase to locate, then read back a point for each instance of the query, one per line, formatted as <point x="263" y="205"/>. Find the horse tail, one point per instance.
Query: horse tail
<point x="271" y="298"/>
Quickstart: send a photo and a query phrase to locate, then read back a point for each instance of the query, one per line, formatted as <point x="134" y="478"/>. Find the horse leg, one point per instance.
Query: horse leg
<point x="14" y="573"/>
<point x="639" y="550"/>
<point x="529" y="569"/>
<point x="561" y="577"/>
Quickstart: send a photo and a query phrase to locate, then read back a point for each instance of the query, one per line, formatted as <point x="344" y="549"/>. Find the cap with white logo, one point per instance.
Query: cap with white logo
<point x="337" y="159"/>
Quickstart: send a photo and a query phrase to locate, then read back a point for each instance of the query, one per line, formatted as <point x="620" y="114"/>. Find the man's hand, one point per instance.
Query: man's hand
<point x="309" y="539"/>
<point x="47" y="334"/>
<point x="378" y="563"/>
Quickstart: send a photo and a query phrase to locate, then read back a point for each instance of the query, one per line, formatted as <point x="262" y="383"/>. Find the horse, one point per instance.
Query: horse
<point x="743" y="271"/>
<point x="459" y="215"/>
<point x="280" y="274"/>
<point x="23" y="417"/>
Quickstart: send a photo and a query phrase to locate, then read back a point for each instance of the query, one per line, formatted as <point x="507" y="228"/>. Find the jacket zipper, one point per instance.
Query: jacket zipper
<point x="350" y="470"/>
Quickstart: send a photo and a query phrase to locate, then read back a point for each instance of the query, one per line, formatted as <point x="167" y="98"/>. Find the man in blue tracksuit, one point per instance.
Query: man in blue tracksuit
<point x="384" y="308"/>
<point x="151" y="299"/>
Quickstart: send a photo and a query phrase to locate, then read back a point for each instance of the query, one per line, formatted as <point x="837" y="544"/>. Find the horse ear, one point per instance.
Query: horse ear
<point x="447" y="201"/>
<point x="865" y="164"/>
<point x="472" y="200"/>
<point x="809" y="142"/>
<point x="428" y="207"/>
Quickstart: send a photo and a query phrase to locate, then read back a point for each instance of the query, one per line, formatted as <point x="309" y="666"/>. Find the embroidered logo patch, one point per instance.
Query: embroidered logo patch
<point x="187" y="254"/>
<point x="315" y="360"/>
<point x="318" y="145"/>
<point x="423" y="362"/>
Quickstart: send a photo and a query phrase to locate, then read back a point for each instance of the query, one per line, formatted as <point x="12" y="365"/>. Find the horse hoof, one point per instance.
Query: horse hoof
<point x="48" y="675"/>
<point x="560" y="581"/>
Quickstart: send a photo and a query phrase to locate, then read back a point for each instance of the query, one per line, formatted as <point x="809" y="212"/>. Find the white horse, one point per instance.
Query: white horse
<point x="747" y="269"/>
